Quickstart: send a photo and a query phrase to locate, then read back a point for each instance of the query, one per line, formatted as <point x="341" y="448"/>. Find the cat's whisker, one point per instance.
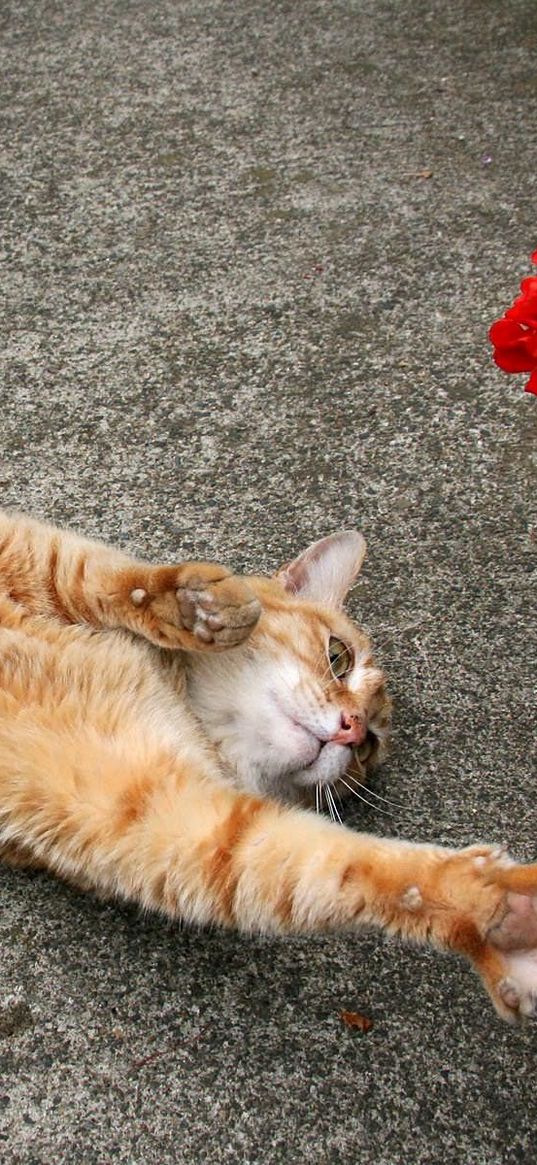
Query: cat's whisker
<point x="377" y="796"/>
<point x="318" y="797"/>
<point x="322" y="795"/>
<point x="336" y="816"/>
<point x="334" y="809"/>
<point x="370" y="804"/>
<point x="329" y="802"/>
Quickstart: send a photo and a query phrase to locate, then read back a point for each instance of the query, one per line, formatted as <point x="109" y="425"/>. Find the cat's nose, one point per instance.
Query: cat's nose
<point x="352" y="730"/>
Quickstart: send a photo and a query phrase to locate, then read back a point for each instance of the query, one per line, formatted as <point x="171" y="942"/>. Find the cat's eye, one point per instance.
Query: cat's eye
<point x="340" y="657"/>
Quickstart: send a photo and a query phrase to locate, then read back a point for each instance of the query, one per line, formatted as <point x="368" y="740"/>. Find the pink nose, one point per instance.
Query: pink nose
<point x="351" y="731"/>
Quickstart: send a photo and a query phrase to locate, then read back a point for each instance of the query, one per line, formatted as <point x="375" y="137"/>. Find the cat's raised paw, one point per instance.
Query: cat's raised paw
<point x="220" y="614"/>
<point x="196" y="606"/>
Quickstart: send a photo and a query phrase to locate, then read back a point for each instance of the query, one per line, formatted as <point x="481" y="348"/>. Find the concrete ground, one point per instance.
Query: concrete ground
<point x="250" y="252"/>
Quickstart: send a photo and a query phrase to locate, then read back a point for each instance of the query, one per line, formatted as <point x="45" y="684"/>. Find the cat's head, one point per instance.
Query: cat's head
<point x="301" y="704"/>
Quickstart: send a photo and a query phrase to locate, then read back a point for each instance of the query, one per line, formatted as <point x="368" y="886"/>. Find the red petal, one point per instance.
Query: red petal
<point x="534" y="259"/>
<point x="529" y="285"/>
<point x="509" y="360"/>
<point x="524" y="309"/>
<point x="506" y="332"/>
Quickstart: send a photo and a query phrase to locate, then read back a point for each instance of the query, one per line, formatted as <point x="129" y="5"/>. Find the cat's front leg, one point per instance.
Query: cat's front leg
<point x="302" y="874"/>
<point x="194" y="606"/>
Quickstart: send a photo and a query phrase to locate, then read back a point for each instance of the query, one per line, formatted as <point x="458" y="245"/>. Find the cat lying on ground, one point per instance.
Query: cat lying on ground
<point x="155" y="720"/>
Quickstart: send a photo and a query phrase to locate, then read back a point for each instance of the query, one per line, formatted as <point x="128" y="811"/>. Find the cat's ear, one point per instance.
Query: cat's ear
<point x="325" y="572"/>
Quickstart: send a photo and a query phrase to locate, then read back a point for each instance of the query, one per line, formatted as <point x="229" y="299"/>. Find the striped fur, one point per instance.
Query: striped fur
<point x="124" y="767"/>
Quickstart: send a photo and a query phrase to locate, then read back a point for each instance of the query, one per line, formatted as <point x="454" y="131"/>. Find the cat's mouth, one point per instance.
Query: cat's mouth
<point x="364" y="752"/>
<point x="316" y="743"/>
<point x="318" y="754"/>
<point x="322" y="744"/>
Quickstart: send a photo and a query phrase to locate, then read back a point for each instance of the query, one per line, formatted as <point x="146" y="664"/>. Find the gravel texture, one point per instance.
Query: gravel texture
<point x="250" y="252"/>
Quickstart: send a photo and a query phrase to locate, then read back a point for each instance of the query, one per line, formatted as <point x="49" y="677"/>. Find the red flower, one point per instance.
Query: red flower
<point x="515" y="335"/>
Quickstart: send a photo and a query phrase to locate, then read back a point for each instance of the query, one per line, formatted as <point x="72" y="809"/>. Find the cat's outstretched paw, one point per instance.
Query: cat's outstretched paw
<point x="508" y="959"/>
<point x="196" y="606"/>
<point x="517" y="989"/>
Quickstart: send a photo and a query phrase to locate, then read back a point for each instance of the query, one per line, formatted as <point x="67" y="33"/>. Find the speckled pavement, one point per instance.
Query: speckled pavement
<point x="250" y="252"/>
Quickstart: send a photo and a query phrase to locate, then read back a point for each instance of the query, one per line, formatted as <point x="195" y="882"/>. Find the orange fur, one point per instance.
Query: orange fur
<point x="108" y="776"/>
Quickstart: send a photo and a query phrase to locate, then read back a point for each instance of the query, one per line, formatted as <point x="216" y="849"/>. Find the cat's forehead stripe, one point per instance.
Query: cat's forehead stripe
<point x="299" y="636"/>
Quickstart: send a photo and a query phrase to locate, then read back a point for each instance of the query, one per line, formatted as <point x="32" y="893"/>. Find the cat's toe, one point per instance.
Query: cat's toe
<point x="518" y="990"/>
<point x="190" y="610"/>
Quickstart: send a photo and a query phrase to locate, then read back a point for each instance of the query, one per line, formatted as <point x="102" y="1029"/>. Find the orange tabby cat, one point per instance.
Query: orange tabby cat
<point x="162" y="775"/>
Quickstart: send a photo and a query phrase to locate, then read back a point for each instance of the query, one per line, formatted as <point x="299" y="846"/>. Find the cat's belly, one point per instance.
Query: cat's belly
<point x="61" y="678"/>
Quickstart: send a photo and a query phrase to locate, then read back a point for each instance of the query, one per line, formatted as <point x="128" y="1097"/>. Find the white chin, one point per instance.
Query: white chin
<point x="332" y="762"/>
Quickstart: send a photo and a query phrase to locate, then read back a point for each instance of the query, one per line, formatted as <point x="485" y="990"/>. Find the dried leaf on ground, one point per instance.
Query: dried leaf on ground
<point x="355" y="1020"/>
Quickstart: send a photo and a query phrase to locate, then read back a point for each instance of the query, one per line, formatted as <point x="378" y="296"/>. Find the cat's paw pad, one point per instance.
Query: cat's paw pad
<point x="221" y="614"/>
<point x="517" y="927"/>
<point x="195" y="606"/>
